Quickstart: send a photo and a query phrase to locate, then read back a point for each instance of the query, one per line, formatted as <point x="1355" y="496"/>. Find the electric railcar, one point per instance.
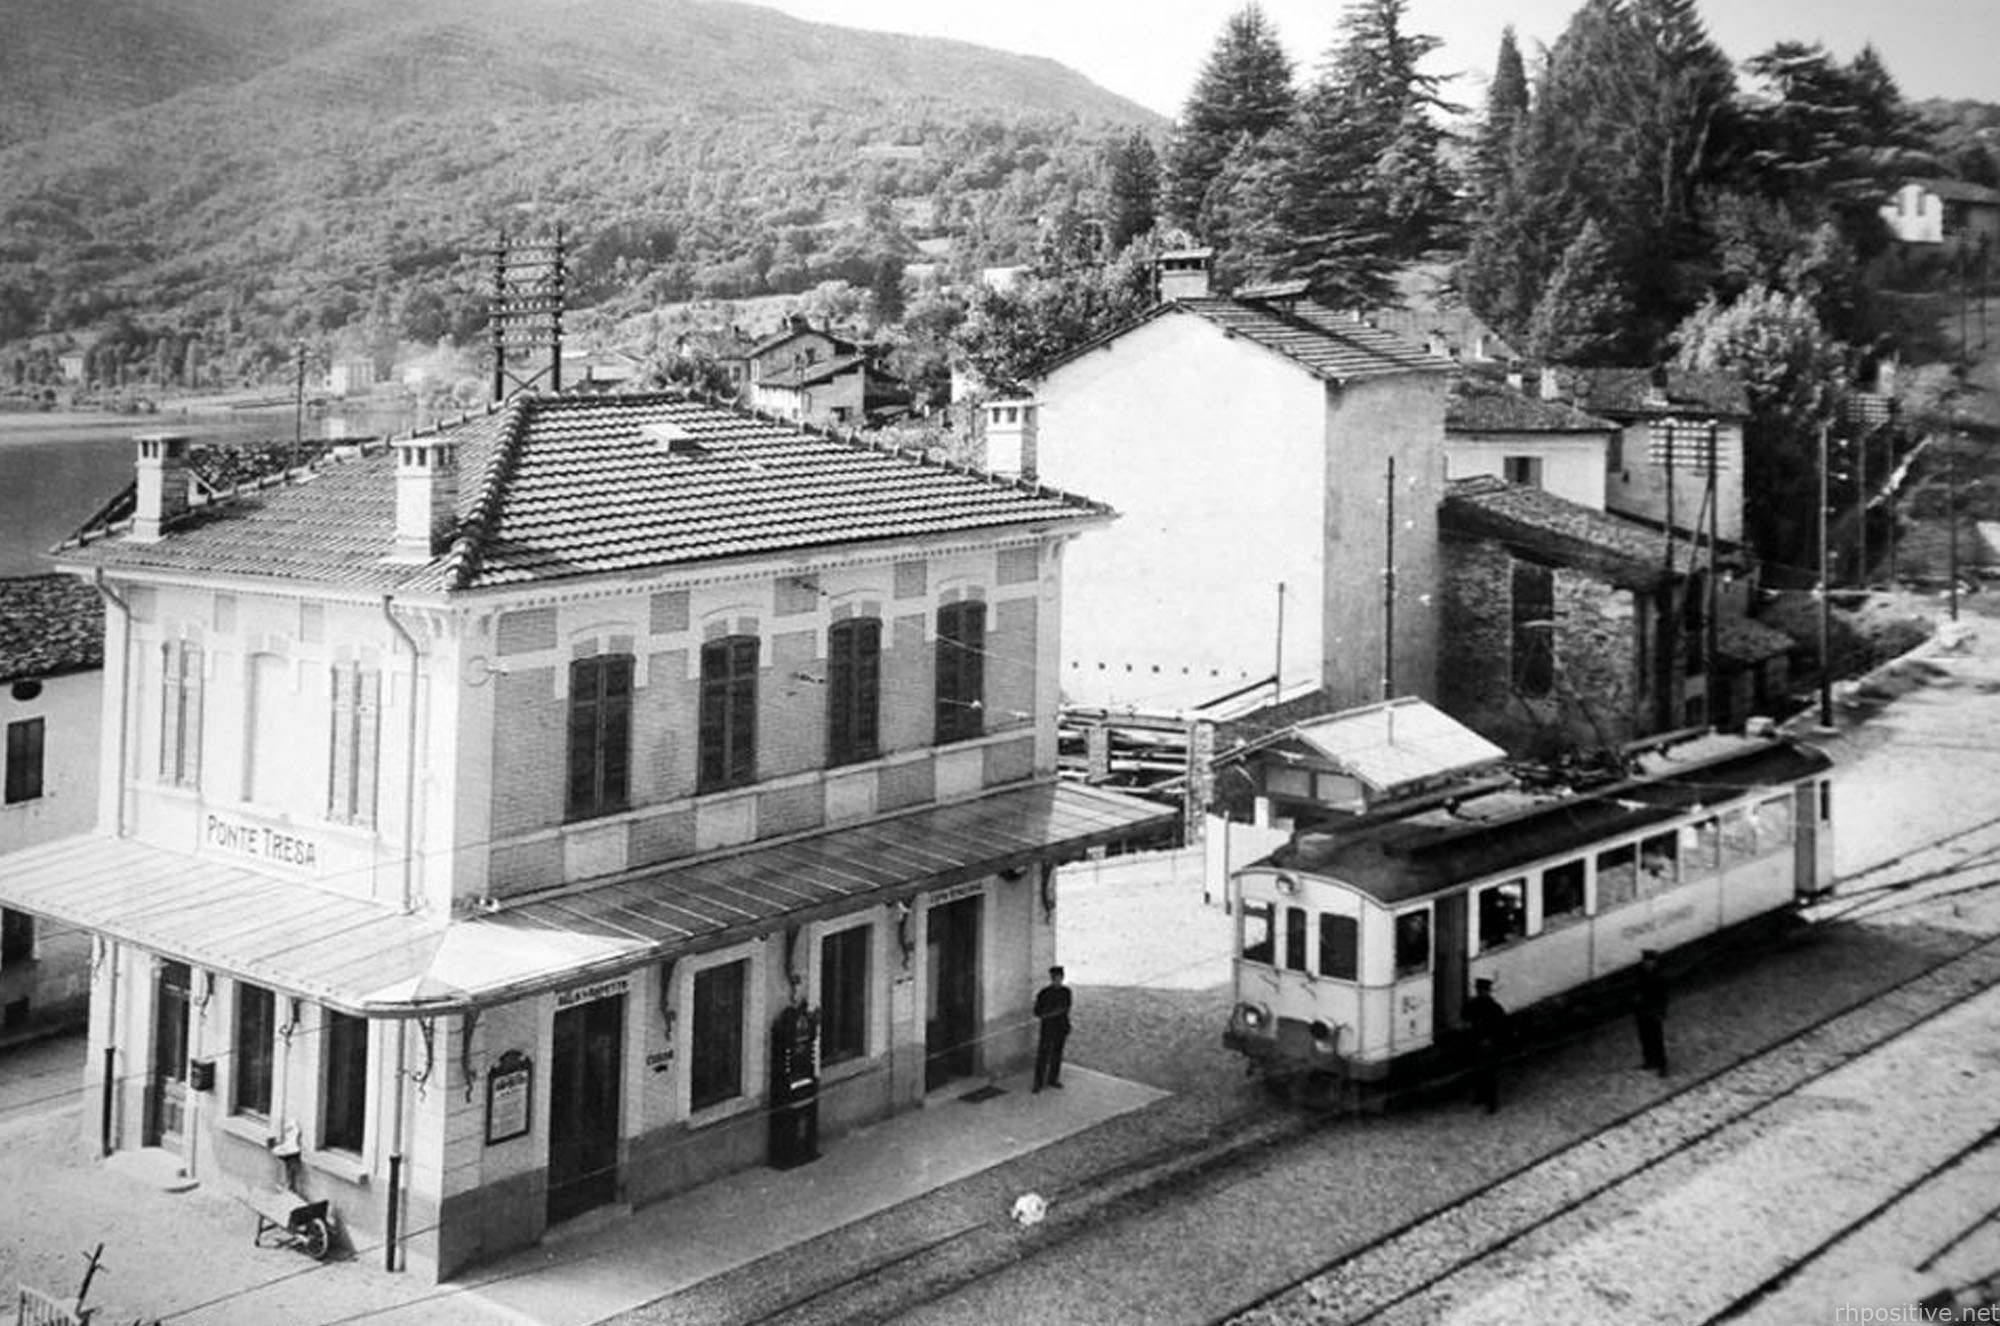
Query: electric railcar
<point x="1358" y="946"/>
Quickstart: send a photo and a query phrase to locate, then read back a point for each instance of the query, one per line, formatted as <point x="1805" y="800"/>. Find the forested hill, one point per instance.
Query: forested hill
<point x="267" y="168"/>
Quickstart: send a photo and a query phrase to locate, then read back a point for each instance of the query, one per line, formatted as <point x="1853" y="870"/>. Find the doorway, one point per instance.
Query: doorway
<point x="166" y="1088"/>
<point x="585" y="1083"/>
<point x="951" y="1004"/>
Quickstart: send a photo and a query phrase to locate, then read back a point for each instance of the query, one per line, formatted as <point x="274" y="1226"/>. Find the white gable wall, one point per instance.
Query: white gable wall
<point x="1572" y="464"/>
<point x="1211" y="449"/>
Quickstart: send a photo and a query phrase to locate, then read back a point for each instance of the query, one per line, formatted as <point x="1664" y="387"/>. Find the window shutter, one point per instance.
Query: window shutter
<point x="340" y="744"/>
<point x="368" y="744"/>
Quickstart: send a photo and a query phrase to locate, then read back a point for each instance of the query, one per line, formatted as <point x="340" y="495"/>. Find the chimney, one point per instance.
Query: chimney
<point x="1011" y="438"/>
<point x="426" y="496"/>
<point x="1183" y="273"/>
<point x="162" y="484"/>
<point x="1551" y="383"/>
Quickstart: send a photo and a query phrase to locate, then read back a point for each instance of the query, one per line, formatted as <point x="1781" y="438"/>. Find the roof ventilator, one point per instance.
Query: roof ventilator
<point x="673" y="439"/>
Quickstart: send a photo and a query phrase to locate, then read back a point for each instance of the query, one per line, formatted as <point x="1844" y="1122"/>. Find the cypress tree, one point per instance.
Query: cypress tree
<point x="1244" y="89"/>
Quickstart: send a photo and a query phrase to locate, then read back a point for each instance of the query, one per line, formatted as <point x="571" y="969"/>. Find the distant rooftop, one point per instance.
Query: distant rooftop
<point x="1328" y="344"/>
<point x="49" y="625"/>
<point x="1398" y="742"/>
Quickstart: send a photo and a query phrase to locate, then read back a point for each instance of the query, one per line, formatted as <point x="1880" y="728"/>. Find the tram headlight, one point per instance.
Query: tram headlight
<point x="1252" y="1017"/>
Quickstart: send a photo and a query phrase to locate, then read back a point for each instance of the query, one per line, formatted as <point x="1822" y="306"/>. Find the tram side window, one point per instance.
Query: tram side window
<point x="1413" y="943"/>
<point x="1259" y="944"/>
<point x="1617" y="877"/>
<point x="1562" y="894"/>
<point x="1773" y="820"/>
<point x="1339" y="946"/>
<point x="1659" y="856"/>
<point x="1295" y="938"/>
<point x="1701" y="846"/>
<point x="1739" y="837"/>
<point x="1503" y="913"/>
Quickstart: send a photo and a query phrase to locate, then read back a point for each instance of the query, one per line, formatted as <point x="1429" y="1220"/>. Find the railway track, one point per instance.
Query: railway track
<point x="1403" y="1266"/>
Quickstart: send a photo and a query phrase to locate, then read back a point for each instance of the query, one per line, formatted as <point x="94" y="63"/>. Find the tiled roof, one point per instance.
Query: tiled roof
<point x="807" y="374"/>
<point x="1750" y="641"/>
<point x="1961" y="191"/>
<point x="792" y="331"/>
<point x="1480" y="404"/>
<point x="1329" y="345"/>
<point x="1629" y="391"/>
<point x="557" y="487"/>
<point x="1543" y="527"/>
<point x="49" y="625"/>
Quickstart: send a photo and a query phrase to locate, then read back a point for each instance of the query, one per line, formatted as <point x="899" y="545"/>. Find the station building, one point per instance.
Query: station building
<point x="497" y="824"/>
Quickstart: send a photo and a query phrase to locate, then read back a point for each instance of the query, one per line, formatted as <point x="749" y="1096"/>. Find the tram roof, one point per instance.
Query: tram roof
<point x="1398" y="860"/>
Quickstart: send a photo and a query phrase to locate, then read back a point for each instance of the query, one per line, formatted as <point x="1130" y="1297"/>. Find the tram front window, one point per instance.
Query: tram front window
<point x="1413" y="944"/>
<point x="1259" y="940"/>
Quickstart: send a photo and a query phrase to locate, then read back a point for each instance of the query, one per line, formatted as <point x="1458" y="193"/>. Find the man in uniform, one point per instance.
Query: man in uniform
<point x="1052" y="1009"/>
<point x="1650" y="1011"/>
<point x="1487" y="1021"/>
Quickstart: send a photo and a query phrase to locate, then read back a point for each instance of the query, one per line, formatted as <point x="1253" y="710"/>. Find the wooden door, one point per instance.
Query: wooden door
<point x="585" y="1083"/>
<point x="166" y="1095"/>
<point x="951" y="1007"/>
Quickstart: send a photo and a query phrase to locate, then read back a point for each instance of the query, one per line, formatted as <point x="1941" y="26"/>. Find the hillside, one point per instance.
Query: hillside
<point x="296" y="169"/>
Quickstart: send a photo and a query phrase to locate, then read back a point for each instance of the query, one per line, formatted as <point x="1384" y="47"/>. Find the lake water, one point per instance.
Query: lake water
<point x="57" y="470"/>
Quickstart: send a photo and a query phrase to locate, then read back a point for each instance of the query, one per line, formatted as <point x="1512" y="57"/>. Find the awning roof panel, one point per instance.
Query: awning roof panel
<point x="365" y="958"/>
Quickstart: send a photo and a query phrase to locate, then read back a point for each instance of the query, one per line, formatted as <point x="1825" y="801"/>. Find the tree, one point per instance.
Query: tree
<point x="1583" y="312"/>
<point x="1364" y="189"/>
<point x="1244" y="89"/>
<point x="1626" y="128"/>
<point x="1793" y="371"/>
<point x="1131" y="188"/>
<point x="1011" y="334"/>
<point x="1830" y="141"/>
<point x="1506" y="106"/>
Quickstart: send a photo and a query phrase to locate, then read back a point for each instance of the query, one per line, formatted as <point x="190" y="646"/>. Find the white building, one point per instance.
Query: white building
<point x="508" y="816"/>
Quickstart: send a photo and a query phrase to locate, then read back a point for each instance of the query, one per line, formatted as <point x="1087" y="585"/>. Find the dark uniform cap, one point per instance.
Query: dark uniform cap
<point x="1483" y="983"/>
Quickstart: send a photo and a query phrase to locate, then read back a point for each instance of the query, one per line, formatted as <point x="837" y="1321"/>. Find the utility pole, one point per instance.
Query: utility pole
<point x="1714" y="570"/>
<point x="299" y="404"/>
<point x="1951" y="514"/>
<point x="1278" y="663"/>
<point x="1861" y="507"/>
<point x="1389" y="584"/>
<point x="1825" y="598"/>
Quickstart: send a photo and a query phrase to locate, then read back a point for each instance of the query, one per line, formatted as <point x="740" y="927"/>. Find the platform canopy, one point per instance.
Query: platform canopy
<point x="370" y="960"/>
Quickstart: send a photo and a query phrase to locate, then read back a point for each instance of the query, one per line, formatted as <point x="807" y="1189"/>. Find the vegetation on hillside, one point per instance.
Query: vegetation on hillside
<point x="694" y="151"/>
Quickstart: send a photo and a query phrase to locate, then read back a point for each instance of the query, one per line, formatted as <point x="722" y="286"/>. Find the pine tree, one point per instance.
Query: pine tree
<point x="1626" y="128"/>
<point x="1245" y="88"/>
<point x="1131" y="188"/>
<point x="1364" y="189"/>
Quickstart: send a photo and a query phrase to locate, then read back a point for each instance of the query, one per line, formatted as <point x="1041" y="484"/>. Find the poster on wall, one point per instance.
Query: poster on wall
<point x="509" y="1088"/>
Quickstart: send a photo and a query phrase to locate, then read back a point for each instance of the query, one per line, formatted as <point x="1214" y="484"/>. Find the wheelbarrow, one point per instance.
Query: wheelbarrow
<point x="285" y="1220"/>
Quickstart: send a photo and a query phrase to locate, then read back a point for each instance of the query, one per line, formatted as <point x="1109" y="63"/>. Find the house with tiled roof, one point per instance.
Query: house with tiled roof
<point x="1575" y="627"/>
<point x="1680" y="436"/>
<point x="51" y="688"/>
<point x="1492" y="425"/>
<point x="549" y="813"/>
<point x="1944" y="214"/>
<point x="829" y="392"/>
<point x="1249" y="442"/>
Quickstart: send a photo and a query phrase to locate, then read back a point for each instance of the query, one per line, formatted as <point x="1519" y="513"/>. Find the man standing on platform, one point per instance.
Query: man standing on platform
<point x="1486" y="1019"/>
<point x="1052" y="1010"/>
<point x="1650" y="1009"/>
